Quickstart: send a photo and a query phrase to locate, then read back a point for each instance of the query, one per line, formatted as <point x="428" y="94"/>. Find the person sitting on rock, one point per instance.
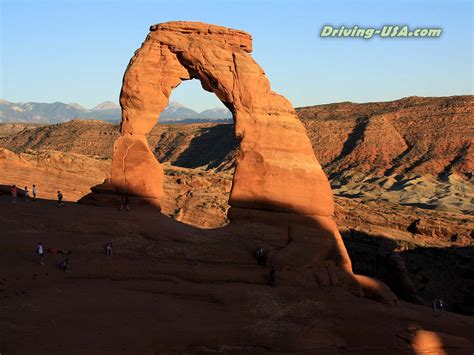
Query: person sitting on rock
<point x="13" y="191"/>
<point x="273" y="277"/>
<point x="64" y="265"/>
<point x="124" y="202"/>
<point x="60" y="199"/>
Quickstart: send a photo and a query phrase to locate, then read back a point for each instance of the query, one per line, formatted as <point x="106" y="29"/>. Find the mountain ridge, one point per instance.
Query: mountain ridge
<point x="425" y="136"/>
<point x="59" y="112"/>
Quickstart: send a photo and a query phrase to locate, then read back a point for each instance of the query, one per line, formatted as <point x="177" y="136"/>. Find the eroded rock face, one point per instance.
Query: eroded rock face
<point x="276" y="167"/>
<point x="277" y="179"/>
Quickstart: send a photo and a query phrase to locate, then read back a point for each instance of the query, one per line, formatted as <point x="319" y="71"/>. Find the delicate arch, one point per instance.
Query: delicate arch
<point x="277" y="181"/>
<point x="276" y="168"/>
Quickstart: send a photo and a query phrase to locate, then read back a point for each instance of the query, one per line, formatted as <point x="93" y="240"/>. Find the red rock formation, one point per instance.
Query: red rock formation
<point x="422" y="135"/>
<point x="277" y="179"/>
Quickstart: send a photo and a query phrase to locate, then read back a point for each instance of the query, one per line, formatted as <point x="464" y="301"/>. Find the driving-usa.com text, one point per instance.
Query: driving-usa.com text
<point x="386" y="31"/>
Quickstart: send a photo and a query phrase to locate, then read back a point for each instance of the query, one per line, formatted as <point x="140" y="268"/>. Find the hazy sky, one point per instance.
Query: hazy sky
<point x="77" y="51"/>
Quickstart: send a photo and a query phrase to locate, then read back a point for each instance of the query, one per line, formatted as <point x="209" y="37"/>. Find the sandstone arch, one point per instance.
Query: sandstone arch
<point x="277" y="179"/>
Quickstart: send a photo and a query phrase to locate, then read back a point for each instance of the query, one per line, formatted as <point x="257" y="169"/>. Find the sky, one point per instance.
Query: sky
<point x="77" y="51"/>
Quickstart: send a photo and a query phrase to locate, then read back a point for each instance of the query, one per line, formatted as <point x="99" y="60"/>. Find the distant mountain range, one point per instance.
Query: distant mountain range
<point x="58" y="112"/>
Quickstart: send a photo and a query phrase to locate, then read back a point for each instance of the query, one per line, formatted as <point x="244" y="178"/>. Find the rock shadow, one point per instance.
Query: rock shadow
<point x="211" y="147"/>
<point x="415" y="274"/>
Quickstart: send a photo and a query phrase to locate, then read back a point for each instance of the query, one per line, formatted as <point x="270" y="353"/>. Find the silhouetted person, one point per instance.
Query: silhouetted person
<point x="14" y="192"/>
<point x="124" y="202"/>
<point x="260" y="255"/>
<point x="413" y="227"/>
<point x="26" y="194"/>
<point x="40" y="252"/>
<point x="273" y="277"/>
<point x="108" y="249"/>
<point x="60" y="199"/>
<point x="442" y="306"/>
<point x="64" y="265"/>
<point x="33" y="191"/>
<point x="434" y="305"/>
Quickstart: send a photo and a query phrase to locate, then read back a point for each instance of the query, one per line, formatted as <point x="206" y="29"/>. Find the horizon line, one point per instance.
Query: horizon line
<point x="294" y="106"/>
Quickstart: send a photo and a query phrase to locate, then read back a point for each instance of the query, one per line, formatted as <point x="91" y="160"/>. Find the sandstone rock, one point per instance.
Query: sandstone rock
<point x="105" y="188"/>
<point x="276" y="169"/>
<point x="51" y="171"/>
<point x="429" y="342"/>
<point x="377" y="290"/>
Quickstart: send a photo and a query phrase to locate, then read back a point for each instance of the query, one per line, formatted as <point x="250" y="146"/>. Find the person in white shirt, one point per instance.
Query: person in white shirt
<point x="33" y="191"/>
<point x="40" y="252"/>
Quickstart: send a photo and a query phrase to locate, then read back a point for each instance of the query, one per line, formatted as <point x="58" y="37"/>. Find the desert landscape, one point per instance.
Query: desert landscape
<point x="363" y="212"/>
<point x="373" y="212"/>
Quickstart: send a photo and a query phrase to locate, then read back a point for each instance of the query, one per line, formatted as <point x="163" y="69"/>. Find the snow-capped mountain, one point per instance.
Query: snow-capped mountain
<point x="177" y="111"/>
<point x="106" y="105"/>
<point x="216" y="113"/>
<point x="77" y="106"/>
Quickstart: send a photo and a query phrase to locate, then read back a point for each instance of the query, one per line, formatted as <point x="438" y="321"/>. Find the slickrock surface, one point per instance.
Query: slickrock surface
<point x="172" y="288"/>
<point x="435" y="260"/>
<point x="51" y="171"/>
<point x="378" y="210"/>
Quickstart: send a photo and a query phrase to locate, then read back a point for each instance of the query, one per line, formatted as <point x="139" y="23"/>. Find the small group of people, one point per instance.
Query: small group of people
<point x="439" y="305"/>
<point x="63" y="265"/>
<point x="14" y="191"/>
<point x="26" y="193"/>
<point x="34" y="191"/>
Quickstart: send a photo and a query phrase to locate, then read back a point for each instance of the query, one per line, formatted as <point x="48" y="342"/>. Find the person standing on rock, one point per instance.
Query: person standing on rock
<point x="26" y="194"/>
<point x="14" y="192"/>
<point x="260" y="255"/>
<point x="40" y="252"/>
<point x="60" y="199"/>
<point x="442" y="306"/>
<point x="434" y="304"/>
<point x="33" y="191"/>
<point x="108" y="249"/>
<point x="124" y="202"/>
